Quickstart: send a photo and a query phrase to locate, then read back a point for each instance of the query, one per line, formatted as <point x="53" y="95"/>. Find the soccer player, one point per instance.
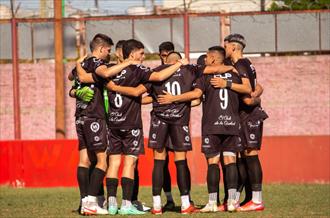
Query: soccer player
<point x="91" y="124"/>
<point x="220" y="132"/>
<point x="252" y="116"/>
<point x="164" y="49"/>
<point x="126" y="136"/>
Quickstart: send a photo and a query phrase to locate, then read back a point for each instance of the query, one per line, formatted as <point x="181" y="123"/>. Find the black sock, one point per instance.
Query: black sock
<point x="127" y="185"/>
<point x="182" y="177"/>
<point x="157" y="177"/>
<point x="167" y="177"/>
<point x="231" y="175"/>
<point x="95" y="181"/>
<point x="136" y="182"/>
<point x="112" y="185"/>
<point x="254" y="172"/>
<point x="83" y="180"/>
<point x="213" y="178"/>
<point x="188" y="176"/>
<point x="242" y="174"/>
<point x="225" y="188"/>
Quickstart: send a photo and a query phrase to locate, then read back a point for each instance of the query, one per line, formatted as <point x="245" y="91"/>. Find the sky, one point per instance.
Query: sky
<point x="114" y="6"/>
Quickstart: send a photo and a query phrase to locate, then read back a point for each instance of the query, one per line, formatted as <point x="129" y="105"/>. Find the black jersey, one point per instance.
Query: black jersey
<point x="183" y="80"/>
<point x="125" y="111"/>
<point x="220" y="106"/>
<point x="246" y="69"/>
<point x="94" y="108"/>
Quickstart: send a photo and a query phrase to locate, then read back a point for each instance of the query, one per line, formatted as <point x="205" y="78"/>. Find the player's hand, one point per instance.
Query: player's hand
<point x="184" y="61"/>
<point x="234" y="70"/>
<point x="86" y="94"/>
<point x="217" y="82"/>
<point x="81" y="59"/>
<point x="254" y="94"/>
<point x="167" y="98"/>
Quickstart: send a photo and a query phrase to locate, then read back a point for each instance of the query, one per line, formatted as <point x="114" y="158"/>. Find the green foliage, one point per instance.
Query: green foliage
<point x="283" y="5"/>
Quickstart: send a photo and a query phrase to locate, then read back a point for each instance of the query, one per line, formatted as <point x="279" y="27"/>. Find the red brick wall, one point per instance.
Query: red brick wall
<point x="296" y="98"/>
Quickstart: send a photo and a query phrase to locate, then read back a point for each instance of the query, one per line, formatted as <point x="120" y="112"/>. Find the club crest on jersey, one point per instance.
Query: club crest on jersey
<point x="135" y="132"/>
<point x="207" y="140"/>
<point x="135" y="143"/>
<point x="153" y="135"/>
<point x="185" y="128"/>
<point x="96" y="138"/>
<point x="95" y="126"/>
<point x="121" y="74"/>
<point x="252" y="136"/>
<point x="223" y="75"/>
<point x="187" y="138"/>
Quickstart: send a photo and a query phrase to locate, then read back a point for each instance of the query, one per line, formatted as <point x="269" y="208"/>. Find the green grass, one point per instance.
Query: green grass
<point x="281" y="200"/>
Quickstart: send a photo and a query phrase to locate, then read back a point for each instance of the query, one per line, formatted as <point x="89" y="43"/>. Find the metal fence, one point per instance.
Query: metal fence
<point x="265" y="32"/>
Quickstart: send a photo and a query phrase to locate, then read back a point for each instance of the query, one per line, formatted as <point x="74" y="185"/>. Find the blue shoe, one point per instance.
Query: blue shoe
<point x="113" y="210"/>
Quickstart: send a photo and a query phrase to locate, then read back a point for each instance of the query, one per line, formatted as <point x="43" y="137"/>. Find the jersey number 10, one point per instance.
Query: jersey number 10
<point x="173" y="88"/>
<point x="223" y="94"/>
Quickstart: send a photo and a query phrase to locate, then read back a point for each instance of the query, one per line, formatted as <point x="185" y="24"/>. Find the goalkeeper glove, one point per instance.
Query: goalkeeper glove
<point x="86" y="94"/>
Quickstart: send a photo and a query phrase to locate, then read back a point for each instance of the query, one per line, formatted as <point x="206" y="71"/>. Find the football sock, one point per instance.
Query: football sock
<point x="185" y="201"/>
<point x="213" y="197"/>
<point x="223" y="168"/>
<point x="127" y="185"/>
<point x="231" y="178"/>
<point x="112" y="185"/>
<point x="169" y="196"/>
<point x="182" y="177"/>
<point x="136" y="182"/>
<point x="83" y="181"/>
<point x="213" y="178"/>
<point x="95" y="181"/>
<point x="167" y="177"/>
<point x="255" y="176"/>
<point x="242" y="174"/>
<point x="157" y="177"/>
<point x="257" y="197"/>
<point x="156" y="202"/>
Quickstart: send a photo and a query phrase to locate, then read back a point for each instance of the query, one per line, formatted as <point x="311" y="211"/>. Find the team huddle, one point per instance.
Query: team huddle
<point x="109" y="125"/>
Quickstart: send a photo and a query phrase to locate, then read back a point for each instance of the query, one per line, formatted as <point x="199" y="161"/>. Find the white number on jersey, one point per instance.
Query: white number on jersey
<point x="223" y="94"/>
<point x="118" y="100"/>
<point x="173" y="88"/>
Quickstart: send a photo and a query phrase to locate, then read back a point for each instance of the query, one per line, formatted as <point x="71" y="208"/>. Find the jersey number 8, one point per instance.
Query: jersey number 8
<point x="223" y="94"/>
<point x="174" y="88"/>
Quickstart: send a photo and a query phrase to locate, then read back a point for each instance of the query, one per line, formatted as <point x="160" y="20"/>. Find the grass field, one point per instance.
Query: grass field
<point x="280" y="200"/>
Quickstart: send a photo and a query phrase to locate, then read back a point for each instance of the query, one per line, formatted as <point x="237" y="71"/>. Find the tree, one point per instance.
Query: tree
<point x="283" y="5"/>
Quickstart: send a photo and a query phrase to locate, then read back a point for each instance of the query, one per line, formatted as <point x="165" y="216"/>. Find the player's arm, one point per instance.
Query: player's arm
<point x="258" y="91"/>
<point x="70" y="76"/>
<point x="167" y="98"/>
<point x="72" y="93"/>
<point x="147" y="100"/>
<point x="126" y="90"/>
<point x="252" y="101"/>
<point x="167" y="72"/>
<point x="243" y="88"/>
<point x="218" y="69"/>
<point x="83" y="76"/>
<point x="106" y="72"/>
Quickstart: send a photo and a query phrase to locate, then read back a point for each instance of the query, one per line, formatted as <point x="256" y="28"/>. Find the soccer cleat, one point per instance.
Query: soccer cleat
<point x="209" y="207"/>
<point x="232" y="205"/>
<point x="92" y="208"/>
<point x="130" y="210"/>
<point x="101" y="201"/>
<point x="82" y="206"/>
<point x="222" y="207"/>
<point x="189" y="210"/>
<point x="156" y="212"/>
<point x="170" y="205"/>
<point x="140" y="206"/>
<point x="251" y="206"/>
<point x="113" y="209"/>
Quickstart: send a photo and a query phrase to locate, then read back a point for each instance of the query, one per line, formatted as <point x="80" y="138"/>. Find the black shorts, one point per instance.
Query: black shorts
<point x="92" y="133"/>
<point x="251" y="133"/>
<point x="213" y="145"/>
<point x="172" y="137"/>
<point x="126" y="141"/>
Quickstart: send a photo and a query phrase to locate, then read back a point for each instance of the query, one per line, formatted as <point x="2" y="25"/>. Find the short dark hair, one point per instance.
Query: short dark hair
<point x="201" y="59"/>
<point x="238" y="38"/>
<point x="131" y="45"/>
<point x="219" y="49"/>
<point x="166" y="46"/>
<point x="175" y="52"/>
<point x="100" y="40"/>
<point x="120" y="44"/>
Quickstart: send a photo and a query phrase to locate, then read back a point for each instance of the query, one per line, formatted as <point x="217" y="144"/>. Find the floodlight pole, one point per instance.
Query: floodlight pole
<point x="186" y="31"/>
<point x="14" y="44"/>
<point x="59" y="71"/>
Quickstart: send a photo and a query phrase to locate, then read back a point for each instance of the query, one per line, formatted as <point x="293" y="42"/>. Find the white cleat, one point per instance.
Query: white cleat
<point x="209" y="208"/>
<point x="92" y="208"/>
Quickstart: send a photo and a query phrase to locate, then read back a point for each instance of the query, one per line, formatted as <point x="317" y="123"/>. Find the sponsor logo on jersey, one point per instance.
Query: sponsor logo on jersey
<point x="95" y="126"/>
<point x="187" y="138"/>
<point x="96" y="138"/>
<point x="185" y="128"/>
<point x="154" y="135"/>
<point x="135" y="132"/>
<point x="223" y="75"/>
<point x="207" y="140"/>
<point x="252" y="136"/>
<point x="135" y="143"/>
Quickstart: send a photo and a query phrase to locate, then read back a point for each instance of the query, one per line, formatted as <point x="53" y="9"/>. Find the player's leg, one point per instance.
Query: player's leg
<point x="170" y="205"/>
<point x="112" y="182"/>
<point x="243" y="181"/>
<point x="231" y="179"/>
<point x="223" y="206"/>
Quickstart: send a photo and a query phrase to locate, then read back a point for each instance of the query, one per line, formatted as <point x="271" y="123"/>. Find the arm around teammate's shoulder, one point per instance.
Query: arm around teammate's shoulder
<point x="126" y="90"/>
<point x="167" y="72"/>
